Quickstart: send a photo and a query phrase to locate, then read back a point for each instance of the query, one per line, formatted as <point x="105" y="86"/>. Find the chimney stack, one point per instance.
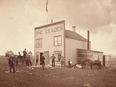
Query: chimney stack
<point x="74" y="28"/>
<point x="88" y="40"/>
<point x="51" y="21"/>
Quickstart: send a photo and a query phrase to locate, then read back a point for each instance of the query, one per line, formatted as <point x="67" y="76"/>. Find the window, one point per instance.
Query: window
<point x="39" y="43"/>
<point x="58" y="40"/>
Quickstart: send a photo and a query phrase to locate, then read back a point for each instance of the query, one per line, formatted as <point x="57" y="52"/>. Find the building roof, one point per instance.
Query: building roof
<point x="74" y="35"/>
<point x="89" y="50"/>
<point x="63" y="21"/>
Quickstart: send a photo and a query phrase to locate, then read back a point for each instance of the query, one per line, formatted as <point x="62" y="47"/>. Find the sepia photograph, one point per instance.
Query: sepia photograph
<point x="57" y="43"/>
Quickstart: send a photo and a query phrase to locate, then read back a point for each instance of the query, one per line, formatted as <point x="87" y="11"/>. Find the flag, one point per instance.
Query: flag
<point x="47" y="6"/>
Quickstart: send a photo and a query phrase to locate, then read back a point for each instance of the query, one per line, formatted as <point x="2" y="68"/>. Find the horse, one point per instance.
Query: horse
<point x="10" y="56"/>
<point x="18" y="59"/>
<point x="23" y="60"/>
<point x="26" y="60"/>
<point x="91" y="63"/>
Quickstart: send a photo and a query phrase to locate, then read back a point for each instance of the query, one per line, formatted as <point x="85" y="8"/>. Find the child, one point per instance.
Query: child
<point x="69" y="63"/>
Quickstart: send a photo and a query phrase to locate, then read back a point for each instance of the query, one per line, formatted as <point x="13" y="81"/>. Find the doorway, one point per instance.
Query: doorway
<point x="46" y="55"/>
<point x="37" y="58"/>
<point x="104" y="60"/>
<point x="40" y="57"/>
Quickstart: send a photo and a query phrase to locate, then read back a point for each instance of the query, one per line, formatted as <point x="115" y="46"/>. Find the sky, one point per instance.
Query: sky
<point x="18" y="18"/>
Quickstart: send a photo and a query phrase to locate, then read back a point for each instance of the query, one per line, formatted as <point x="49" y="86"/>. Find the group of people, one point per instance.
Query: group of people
<point x="60" y="59"/>
<point x="25" y="57"/>
<point x="42" y="60"/>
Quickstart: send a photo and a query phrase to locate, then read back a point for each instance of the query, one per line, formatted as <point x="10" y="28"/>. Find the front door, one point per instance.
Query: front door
<point x="46" y="55"/>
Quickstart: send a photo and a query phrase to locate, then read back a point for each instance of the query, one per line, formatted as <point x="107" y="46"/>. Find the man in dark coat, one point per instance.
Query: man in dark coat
<point x="11" y="64"/>
<point x="53" y="60"/>
<point x="42" y="61"/>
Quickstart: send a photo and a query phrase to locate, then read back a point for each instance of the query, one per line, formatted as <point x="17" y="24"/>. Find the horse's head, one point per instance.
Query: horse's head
<point x="6" y="54"/>
<point x="9" y="54"/>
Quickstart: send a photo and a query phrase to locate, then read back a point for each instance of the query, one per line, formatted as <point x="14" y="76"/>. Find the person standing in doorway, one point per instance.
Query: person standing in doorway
<point x="59" y="57"/>
<point x="37" y="60"/>
<point x="53" y="60"/>
<point x="42" y="60"/>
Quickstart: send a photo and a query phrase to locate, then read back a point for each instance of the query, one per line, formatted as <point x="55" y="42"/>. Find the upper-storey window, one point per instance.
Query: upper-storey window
<point x="58" y="40"/>
<point x="39" y="43"/>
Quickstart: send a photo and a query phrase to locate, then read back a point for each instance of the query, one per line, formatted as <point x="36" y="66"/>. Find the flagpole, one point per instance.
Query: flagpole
<point x="47" y="10"/>
<point x="47" y="17"/>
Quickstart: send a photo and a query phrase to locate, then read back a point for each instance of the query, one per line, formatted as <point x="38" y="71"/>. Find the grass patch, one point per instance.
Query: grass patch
<point x="57" y="77"/>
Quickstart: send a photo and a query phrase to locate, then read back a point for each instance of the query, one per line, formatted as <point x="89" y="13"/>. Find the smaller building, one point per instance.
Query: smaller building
<point x="109" y="61"/>
<point x="89" y="54"/>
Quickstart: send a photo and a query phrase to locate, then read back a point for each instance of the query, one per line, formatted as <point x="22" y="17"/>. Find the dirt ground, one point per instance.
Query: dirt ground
<point x="56" y="77"/>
